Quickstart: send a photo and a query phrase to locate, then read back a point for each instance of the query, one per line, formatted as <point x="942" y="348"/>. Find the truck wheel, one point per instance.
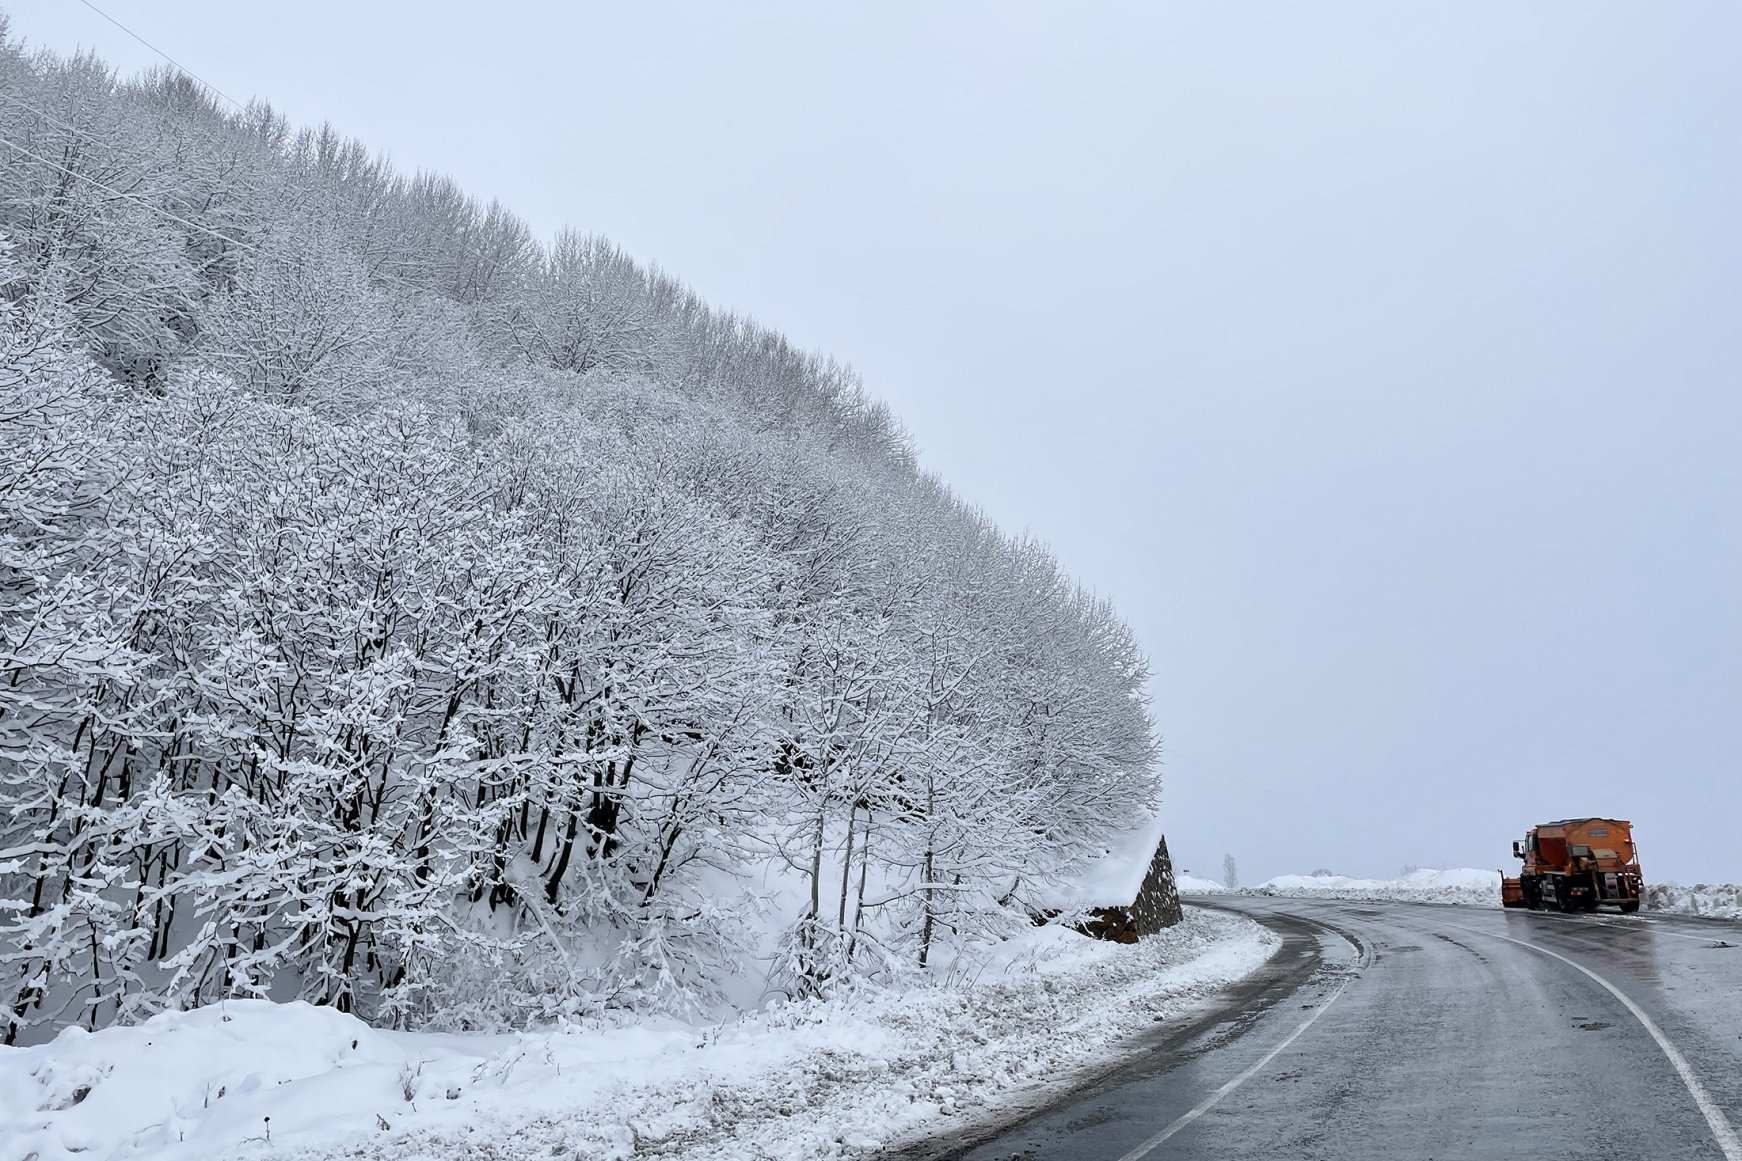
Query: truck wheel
<point x="1532" y="891"/>
<point x="1630" y="905"/>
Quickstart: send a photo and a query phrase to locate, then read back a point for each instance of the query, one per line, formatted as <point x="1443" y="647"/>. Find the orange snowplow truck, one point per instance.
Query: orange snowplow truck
<point x="1575" y="865"/>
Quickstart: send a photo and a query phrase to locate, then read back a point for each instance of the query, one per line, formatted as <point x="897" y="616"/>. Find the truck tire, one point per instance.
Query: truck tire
<point x="1630" y="905"/>
<point x="1531" y="888"/>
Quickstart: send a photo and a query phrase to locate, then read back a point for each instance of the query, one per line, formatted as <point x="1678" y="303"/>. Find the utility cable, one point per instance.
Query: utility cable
<point x="383" y="275"/>
<point x="159" y="210"/>
<point x="189" y="72"/>
<point x="87" y="139"/>
<point x="467" y="250"/>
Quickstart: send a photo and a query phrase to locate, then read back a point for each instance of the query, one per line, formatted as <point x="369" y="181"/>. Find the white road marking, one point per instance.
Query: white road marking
<point x="1214" y="1098"/>
<point x="1726" y="1135"/>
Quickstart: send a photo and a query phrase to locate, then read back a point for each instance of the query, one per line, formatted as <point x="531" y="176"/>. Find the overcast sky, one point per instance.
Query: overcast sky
<point x="1379" y="360"/>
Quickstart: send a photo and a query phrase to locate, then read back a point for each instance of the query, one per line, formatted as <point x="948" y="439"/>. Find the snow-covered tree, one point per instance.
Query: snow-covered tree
<point x="403" y="615"/>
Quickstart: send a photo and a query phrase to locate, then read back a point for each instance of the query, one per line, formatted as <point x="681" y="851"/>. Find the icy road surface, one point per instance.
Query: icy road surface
<point x="1394" y="1031"/>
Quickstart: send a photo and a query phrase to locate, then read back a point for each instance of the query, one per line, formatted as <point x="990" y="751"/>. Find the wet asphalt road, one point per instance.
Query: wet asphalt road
<point x="1399" y="1032"/>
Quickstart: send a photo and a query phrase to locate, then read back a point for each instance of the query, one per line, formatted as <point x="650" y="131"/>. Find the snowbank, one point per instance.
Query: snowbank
<point x="1476" y="888"/>
<point x="1464" y="885"/>
<point x="252" y="1079"/>
<point x="1713" y="901"/>
<point x="1192" y="885"/>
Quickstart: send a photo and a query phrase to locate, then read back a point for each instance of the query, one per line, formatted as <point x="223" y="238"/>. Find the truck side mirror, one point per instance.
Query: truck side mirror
<point x="1517" y="849"/>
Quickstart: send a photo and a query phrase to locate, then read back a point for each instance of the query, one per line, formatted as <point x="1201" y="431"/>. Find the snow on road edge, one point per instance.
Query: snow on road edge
<point x="831" y="1079"/>
<point x="1463" y="885"/>
<point x="1706" y="900"/>
<point x="1469" y="887"/>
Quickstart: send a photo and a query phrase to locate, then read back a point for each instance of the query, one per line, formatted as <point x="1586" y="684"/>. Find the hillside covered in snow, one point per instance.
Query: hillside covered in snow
<point x="402" y="614"/>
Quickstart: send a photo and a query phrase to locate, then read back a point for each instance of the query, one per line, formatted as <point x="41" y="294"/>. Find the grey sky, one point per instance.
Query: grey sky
<point x="1380" y="361"/>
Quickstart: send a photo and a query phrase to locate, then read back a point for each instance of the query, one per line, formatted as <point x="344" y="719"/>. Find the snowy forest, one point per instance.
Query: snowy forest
<point x="403" y="613"/>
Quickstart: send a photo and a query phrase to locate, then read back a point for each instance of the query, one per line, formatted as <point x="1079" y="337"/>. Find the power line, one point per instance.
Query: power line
<point x="135" y="198"/>
<point x="86" y="138"/>
<point x="383" y="275"/>
<point x="189" y="72"/>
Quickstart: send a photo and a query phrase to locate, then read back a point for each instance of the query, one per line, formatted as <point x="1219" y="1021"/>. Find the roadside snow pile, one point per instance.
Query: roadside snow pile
<point x="1712" y="901"/>
<point x="826" y="1079"/>
<point x="1476" y="888"/>
<point x="1190" y="884"/>
<point x="1463" y="885"/>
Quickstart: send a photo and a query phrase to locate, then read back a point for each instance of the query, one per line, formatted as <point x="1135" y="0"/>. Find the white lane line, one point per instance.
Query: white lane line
<point x="1726" y="1136"/>
<point x="1214" y="1098"/>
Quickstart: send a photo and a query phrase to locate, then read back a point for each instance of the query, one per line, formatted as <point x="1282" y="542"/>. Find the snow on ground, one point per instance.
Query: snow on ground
<point x="253" y="1079"/>
<point x="1472" y="888"/>
<point x="1464" y="885"/>
<point x="1714" y="901"/>
<point x="1190" y="884"/>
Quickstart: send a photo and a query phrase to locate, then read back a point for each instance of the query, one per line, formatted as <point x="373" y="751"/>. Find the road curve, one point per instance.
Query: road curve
<point x="1404" y="1032"/>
